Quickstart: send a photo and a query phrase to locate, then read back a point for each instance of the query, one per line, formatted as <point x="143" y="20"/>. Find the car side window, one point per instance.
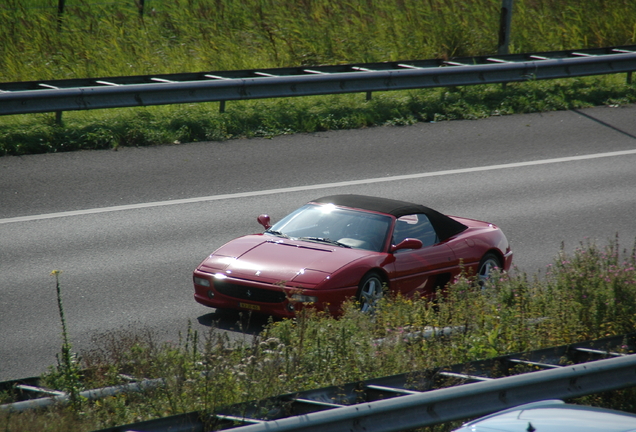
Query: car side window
<point x="415" y="226"/>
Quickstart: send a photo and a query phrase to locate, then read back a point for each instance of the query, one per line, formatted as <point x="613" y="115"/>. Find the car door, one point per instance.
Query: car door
<point x="420" y="270"/>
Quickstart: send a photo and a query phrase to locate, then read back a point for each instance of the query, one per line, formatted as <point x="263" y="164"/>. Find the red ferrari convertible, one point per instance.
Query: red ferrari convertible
<point x="343" y="246"/>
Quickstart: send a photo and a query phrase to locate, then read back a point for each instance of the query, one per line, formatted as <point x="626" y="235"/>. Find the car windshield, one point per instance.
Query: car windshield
<point x="333" y="225"/>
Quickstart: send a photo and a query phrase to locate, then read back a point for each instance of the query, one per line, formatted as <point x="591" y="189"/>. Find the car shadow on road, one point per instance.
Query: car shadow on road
<point x="241" y="322"/>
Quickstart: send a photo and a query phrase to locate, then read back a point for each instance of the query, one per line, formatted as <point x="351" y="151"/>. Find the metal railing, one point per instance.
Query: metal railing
<point x="222" y="86"/>
<point x="456" y="403"/>
<point x="426" y="398"/>
<point x="399" y="402"/>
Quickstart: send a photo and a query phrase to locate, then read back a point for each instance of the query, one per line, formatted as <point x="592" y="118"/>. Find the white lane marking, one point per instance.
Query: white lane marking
<point x="317" y="186"/>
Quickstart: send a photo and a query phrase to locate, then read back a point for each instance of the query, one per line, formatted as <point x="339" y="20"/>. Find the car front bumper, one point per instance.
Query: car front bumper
<point x="271" y="299"/>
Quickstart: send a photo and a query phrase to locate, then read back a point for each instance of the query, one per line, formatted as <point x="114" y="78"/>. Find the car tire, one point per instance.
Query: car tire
<point x="488" y="263"/>
<point x="370" y="291"/>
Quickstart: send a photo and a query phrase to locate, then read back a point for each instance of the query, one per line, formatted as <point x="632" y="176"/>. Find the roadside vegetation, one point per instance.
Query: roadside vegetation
<point x="113" y="38"/>
<point x="588" y="294"/>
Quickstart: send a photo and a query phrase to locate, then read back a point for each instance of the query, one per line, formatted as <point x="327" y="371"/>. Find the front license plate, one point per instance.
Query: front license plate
<point x="249" y="306"/>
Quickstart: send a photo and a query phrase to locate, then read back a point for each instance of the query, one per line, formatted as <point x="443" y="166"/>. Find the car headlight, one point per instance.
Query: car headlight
<point x="302" y="298"/>
<point x="201" y="281"/>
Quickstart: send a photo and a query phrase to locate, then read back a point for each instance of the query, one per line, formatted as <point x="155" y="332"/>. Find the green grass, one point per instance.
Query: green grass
<point x="585" y="295"/>
<point x="96" y="39"/>
<point x="109" y="38"/>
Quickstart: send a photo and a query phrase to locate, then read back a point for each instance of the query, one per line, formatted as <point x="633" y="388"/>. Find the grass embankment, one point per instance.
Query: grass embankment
<point x="586" y="295"/>
<point x="111" y="39"/>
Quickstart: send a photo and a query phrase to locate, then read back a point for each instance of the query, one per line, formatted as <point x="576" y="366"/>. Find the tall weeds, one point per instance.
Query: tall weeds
<point x="110" y="38"/>
<point x="67" y="376"/>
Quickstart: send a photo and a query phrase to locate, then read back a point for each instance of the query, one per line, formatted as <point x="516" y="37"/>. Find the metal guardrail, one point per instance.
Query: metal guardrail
<point x="456" y="403"/>
<point x="398" y="402"/>
<point x="54" y="397"/>
<point x="426" y="398"/>
<point x="222" y="86"/>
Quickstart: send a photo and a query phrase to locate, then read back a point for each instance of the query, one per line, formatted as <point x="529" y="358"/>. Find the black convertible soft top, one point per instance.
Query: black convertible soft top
<point x="444" y="225"/>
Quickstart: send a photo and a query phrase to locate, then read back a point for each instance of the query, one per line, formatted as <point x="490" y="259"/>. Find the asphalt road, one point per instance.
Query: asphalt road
<point x="127" y="227"/>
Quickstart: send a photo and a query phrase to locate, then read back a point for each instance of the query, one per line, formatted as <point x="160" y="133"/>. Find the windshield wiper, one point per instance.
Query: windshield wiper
<point x="277" y="233"/>
<point x="325" y="240"/>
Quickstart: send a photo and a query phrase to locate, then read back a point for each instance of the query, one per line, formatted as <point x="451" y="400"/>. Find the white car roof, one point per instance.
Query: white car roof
<point x="553" y="416"/>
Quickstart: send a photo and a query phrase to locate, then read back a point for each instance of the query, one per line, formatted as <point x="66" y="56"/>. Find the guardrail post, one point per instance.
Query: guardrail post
<point x="629" y="78"/>
<point x="60" y="11"/>
<point x="58" y="117"/>
<point x="222" y="106"/>
<point x="505" y="21"/>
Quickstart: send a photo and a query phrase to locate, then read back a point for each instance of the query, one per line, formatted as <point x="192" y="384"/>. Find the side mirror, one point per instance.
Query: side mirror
<point x="407" y="243"/>
<point x="264" y="220"/>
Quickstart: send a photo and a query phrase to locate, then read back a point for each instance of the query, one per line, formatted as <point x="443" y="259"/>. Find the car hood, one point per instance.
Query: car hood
<point x="270" y="259"/>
